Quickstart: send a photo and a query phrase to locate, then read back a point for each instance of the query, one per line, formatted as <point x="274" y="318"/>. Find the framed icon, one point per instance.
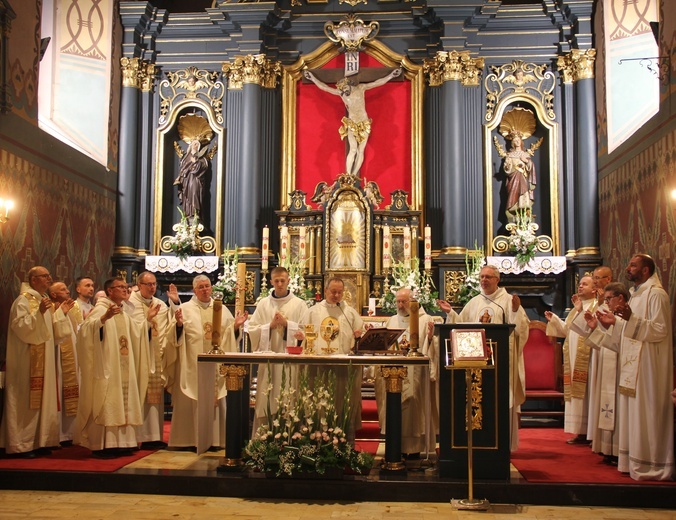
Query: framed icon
<point x="469" y="348"/>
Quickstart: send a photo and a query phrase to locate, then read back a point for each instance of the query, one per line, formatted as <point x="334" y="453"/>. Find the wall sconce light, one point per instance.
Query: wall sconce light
<point x="5" y="206"/>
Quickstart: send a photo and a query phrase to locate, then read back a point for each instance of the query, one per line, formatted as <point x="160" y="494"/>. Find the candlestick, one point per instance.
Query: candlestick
<point x="284" y="245"/>
<point x="217" y="311"/>
<point x="428" y="248"/>
<point x="387" y="248"/>
<point x="241" y="288"/>
<point x="265" y="249"/>
<point x="407" y="245"/>
<point x="301" y="245"/>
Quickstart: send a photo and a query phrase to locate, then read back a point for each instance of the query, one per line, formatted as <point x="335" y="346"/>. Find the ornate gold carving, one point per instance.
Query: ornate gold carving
<point x="476" y="392"/>
<point x="121" y="274"/>
<point x="453" y="281"/>
<point x="133" y="70"/>
<point x="148" y="77"/>
<point x="351" y="33"/>
<point x="252" y="68"/>
<point x="191" y="84"/>
<point x="526" y="80"/>
<point x="453" y="66"/>
<point x="577" y="64"/>
<point x="394" y="378"/>
<point x="234" y="376"/>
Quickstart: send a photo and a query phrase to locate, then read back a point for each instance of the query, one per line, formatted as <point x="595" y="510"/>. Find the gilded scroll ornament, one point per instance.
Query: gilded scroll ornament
<point x="394" y="378"/>
<point x="453" y="66"/>
<point x="234" y="376"/>
<point x="191" y="84"/>
<point x="351" y="33"/>
<point x="252" y="68"/>
<point x="453" y="281"/>
<point x="522" y="79"/>
<point x="476" y="391"/>
<point x="577" y="64"/>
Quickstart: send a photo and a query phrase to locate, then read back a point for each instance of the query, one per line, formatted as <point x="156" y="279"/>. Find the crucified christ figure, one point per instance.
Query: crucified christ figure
<point x="357" y="125"/>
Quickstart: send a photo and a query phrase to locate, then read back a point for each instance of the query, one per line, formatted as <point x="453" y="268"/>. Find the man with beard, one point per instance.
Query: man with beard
<point x="576" y="361"/>
<point x="495" y="305"/>
<point x="150" y="433"/>
<point x="113" y="354"/>
<point x="30" y="422"/>
<point x="413" y="402"/>
<point x="66" y="363"/>
<point x="191" y="337"/>
<point x="273" y="327"/>
<point x="642" y="332"/>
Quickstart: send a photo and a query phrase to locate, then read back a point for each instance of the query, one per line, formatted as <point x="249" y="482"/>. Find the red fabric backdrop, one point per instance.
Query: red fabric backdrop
<point x="320" y="153"/>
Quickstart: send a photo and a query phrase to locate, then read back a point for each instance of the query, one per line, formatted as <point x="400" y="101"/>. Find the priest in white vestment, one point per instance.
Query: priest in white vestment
<point x="495" y="305"/>
<point x="273" y="327"/>
<point x="67" y="370"/>
<point x="576" y="361"/>
<point x="416" y="389"/>
<point x="643" y="332"/>
<point x="191" y="336"/>
<point x="344" y="324"/>
<point x="30" y="421"/>
<point x="151" y="431"/>
<point x="84" y="303"/>
<point x="113" y="355"/>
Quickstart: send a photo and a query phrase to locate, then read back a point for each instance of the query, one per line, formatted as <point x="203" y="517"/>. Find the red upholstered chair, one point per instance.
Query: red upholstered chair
<point x="544" y="372"/>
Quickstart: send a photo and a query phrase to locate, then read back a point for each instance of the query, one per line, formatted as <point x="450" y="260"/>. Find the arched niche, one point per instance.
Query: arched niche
<point x="509" y="94"/>
<point x="168" y="161"/>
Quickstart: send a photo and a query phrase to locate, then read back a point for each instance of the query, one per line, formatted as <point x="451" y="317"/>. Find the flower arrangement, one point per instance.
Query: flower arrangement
<point x="186" y="239"/>
<point x="226" y="286"/>
<point x="522" y="239"/>
<point x="306" y="433"/>
<point x="474" y="261"/>
<point x="421" y="286"/>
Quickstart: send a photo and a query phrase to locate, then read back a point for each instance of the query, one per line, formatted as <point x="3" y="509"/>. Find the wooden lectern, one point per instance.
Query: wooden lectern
<point x="491" y="410"/>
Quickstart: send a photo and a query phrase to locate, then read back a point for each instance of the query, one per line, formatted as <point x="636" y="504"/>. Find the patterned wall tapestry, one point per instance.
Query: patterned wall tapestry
<point x="637" y="213"/>
<point x="62" y="225"/>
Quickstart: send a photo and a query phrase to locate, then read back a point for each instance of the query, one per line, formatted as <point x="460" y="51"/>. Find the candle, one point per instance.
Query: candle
<point x="284" y="244"/>
<point x="241" y="287"/>
<point x="428" y="248"/>
<point x="387" y="248"/>
<point x="265" y="248"/>
<point x="407" y="245"/>
<point x="301" y="245"/>
<point x="216" y="324"/>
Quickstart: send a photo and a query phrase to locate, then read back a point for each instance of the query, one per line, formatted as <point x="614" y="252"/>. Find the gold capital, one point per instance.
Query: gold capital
<point x="454" y="66"/>
<point x="234" y="376"/>
<point x="577" y="64"/>
<point x="137" y="73"/>
<point x="394" y="378"/>
<point x="253" y="68"/>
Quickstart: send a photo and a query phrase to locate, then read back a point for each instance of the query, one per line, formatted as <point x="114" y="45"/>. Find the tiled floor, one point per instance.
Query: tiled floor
<point x="54" y="505"/>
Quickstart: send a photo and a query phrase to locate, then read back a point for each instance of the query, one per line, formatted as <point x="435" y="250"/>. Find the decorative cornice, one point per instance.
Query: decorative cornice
<point x="252" y="68"/>
<point x="351" y="33"/>
<point x="454" y="66"/>
<point x="188" y="85"/>
<point x="577" y="64"/>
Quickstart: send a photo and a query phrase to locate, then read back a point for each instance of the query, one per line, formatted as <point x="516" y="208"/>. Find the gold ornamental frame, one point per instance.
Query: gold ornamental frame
<point x="291" y="74"/>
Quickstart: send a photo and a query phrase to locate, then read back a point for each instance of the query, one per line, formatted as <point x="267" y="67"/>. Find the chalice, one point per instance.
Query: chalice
<point x="329" y="330"/>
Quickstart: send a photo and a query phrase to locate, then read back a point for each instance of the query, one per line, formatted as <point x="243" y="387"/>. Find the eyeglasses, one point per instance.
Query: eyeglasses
<point x="608" y="298"/>
<point x="487" y="276"/>
<point x="125" y="287"/>
<point x="149" y="284"/>
<point x="45" y="275"/>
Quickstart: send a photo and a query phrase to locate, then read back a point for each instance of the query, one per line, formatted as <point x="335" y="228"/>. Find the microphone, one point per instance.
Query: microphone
<point x="504" y="314"/>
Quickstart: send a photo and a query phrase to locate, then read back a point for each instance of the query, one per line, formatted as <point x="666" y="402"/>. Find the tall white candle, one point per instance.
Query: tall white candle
<point x="428" y="248"/>
<point x="301" y="245"/>
<point x="283" y="244"/>
<point x="387" y="248"/>
<point x="407" y="245"/>
<point x="265" y="248"/>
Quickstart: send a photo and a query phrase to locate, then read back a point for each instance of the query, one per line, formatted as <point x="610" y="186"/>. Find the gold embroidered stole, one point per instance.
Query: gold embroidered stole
<point x="124" y="346"/>
<point x="75" y="316"/>
<point x="155" y="392"/>
<point x="37" y="359"/>
<point x="71" y="392"/>
<point x="575" y="377"/>
<point x="207" y="316"/>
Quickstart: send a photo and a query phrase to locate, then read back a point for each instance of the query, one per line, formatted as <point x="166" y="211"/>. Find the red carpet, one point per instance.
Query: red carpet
<point x="370" y="428"/>
<point x="544" y="456"/>
<point x="72" y="458"/>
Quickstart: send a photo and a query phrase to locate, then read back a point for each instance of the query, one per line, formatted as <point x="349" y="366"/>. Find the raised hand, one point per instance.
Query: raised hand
<point x="516" y="303"/>
<point x="549" y="315"/>
<point x="240" y="318"/>
<point x="444" y="306"/>
<point x="111" y="312"/>
<point x="45" y="305"/>
<point x="577" y="302"/>
<point x="178" y="315"/>
<point x="591" y="320"/>
<point x="605" y="318"/>
<point x="67" y="305"/>
<point x="172" y="294"/>
<point x="153" y="310"/>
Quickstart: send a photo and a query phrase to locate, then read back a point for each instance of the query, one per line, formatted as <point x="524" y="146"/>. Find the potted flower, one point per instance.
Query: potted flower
<point x="408" y="275"/>
<point x="186" y="240"/>
<point x="226" y="286"/>
<point x="523" y="243"/>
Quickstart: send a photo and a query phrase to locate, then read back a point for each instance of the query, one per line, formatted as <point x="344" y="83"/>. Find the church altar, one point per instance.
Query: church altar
<point x="538" y="265"/>
<point x="237" y="429"/>
<point x="190" y="264"/>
